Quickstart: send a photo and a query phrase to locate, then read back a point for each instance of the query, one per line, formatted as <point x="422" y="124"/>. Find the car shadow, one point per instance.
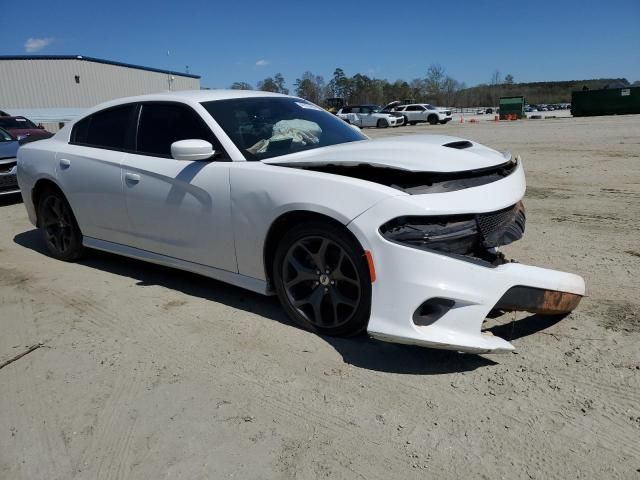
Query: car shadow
<point x="360" y="351"/>
<point x="526" y="326"/>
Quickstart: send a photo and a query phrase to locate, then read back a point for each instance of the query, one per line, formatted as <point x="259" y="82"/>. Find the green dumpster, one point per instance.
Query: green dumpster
<point x="510" y="106"/>
<point x="610" y="101"/>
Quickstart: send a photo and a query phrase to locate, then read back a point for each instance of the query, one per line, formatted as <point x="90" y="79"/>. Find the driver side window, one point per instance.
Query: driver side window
<point x="161" y="124"/>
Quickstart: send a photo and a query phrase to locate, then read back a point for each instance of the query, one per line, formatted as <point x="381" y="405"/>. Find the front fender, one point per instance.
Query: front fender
<point x="260" y="193"/>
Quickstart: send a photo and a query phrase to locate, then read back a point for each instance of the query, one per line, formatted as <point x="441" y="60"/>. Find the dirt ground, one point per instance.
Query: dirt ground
<point x="151" y="373"/>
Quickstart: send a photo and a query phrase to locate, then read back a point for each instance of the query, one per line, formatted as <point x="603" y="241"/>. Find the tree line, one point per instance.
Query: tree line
<point x="436" y="87"/>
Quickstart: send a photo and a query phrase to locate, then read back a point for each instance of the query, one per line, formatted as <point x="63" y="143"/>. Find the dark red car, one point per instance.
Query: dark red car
<point x="21" y="127"/>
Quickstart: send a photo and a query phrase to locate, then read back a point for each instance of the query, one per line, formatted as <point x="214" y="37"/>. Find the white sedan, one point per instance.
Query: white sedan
<point x="397" y="236"/>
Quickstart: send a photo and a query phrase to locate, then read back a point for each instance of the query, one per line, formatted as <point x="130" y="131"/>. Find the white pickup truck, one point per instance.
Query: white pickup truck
<point x="423" y="112"/>
<point x="369" y="116"/>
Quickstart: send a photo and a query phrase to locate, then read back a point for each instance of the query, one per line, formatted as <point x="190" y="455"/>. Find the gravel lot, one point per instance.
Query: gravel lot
<point x="148" y="373"/>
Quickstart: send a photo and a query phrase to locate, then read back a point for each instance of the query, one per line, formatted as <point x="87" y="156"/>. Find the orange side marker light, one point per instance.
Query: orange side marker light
<point x="372" y="270"/>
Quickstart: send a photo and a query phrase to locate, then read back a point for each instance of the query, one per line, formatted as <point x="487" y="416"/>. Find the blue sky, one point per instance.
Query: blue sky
<point x="248" y="41"/>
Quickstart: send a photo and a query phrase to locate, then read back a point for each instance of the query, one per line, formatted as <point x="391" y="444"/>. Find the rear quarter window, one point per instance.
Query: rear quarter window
<point x="107" y="129"/>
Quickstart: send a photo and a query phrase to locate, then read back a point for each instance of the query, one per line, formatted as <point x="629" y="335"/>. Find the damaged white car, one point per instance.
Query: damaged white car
<point x="396" y="236"/>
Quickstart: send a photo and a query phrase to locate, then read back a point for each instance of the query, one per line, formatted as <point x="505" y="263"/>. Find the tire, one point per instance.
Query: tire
<point x="433" y="119"/>
<point x="406" y="121"/>
<point x="58" y="225"/>
<point x="413" y="123"/>
<point x="337" y="303"/>
<point x="382" y="123"/>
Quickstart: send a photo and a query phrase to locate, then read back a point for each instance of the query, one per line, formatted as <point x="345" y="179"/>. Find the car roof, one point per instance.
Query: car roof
<point x="187" y="96"/>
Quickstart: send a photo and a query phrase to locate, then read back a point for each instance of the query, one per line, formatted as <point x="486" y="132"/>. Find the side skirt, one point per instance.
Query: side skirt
<point x="242" y="281"/>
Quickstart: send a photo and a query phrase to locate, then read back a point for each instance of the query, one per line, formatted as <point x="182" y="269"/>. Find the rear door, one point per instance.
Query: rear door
<point x="178" y="208"/>
<point x="88" y="171"/>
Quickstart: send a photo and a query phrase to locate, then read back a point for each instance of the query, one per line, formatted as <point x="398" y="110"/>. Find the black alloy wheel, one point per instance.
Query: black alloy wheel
<point x="59" y="227"/>
<point x="322" y="280"/>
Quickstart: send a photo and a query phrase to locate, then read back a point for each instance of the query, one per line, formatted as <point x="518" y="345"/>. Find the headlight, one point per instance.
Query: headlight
<point x="445" y="234"/>
<point x="472" y="234"/>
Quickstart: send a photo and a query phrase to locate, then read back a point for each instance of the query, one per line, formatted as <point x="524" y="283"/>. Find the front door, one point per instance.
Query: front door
<point x="178" y="208"/>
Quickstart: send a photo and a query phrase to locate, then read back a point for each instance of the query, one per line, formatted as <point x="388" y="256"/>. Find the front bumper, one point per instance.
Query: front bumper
<point x="407" y="277"/>
<point x="463" y="293"/>
<point x="8" y="178"/>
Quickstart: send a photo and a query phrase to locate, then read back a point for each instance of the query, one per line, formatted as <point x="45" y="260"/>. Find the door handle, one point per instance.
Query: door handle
<point x="132" y="178"/>
<point x="64" y="163"/>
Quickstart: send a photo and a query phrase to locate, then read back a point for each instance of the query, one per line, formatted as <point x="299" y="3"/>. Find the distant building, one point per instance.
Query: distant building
<point x="54" y="89"/>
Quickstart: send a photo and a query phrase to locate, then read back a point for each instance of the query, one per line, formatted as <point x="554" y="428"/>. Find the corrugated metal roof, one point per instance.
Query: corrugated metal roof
<point x="47" y="115"/>
<point x="95" y="60"/>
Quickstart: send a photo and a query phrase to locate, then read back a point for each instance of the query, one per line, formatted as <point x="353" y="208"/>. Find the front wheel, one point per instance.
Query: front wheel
<point x="322" y="279"/>
<point x="382" y="123"/>
<point x="433" y="120"/>
<point x="59" y="227"/>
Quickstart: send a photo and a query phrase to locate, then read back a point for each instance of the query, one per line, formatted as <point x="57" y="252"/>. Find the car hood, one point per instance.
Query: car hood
<point x="413" y="153"/>
<point x="8" y="149"/>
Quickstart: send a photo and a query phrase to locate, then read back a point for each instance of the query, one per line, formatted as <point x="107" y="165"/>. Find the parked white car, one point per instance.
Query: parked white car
<point x="398" y="236"/>
<point x="369" y="116"/>
<point x="423" y="112"/>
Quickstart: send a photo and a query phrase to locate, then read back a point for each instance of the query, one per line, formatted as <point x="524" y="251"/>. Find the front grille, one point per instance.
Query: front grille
<point x="6" y="167"/>
<point x="8" y="181"/>
<point x="502" y="227"/>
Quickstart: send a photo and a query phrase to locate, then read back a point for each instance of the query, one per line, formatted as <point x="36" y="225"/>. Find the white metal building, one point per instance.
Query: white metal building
<point x="54" y="89"/>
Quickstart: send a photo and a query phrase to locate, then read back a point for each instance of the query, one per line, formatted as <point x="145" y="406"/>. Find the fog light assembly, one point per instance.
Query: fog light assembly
<point x="431" y="311"/>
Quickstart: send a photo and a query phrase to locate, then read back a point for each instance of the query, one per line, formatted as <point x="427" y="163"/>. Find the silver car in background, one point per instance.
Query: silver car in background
<point x="8" y="150"/>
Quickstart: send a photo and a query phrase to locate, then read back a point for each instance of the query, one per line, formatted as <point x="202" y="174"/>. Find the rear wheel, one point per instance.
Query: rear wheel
<point x="322" y="279"/>
<point x="59" y="227"/>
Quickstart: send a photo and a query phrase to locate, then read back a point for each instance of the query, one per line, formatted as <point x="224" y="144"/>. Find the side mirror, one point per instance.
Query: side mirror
<point x="192" y="150"/>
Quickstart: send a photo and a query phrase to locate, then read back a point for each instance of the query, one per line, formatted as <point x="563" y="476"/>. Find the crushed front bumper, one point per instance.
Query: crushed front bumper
<point x="407" y="277"/>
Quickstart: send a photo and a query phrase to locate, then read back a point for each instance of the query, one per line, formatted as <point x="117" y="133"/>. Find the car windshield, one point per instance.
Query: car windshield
<point x="376" y="108"/>
<point x="266" y="127"/>
<point x="5" y="136"/>
<point x="17" y="122"/>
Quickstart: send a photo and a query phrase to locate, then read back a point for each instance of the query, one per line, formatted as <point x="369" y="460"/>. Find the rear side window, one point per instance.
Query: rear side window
<point x="346" y="110"/>
<point x="161" y="124"/>
<point x="106" y="129"/>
